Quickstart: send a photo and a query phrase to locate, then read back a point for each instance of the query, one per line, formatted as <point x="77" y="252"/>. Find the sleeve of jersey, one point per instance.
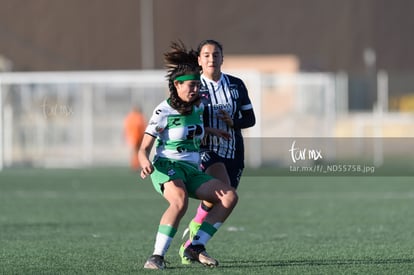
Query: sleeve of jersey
<point x="247" y="118"/>
<point x="157" y="122"/>
<point x="246" y="104"/>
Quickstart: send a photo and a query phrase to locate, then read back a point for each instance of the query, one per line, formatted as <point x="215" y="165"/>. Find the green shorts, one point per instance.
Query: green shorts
<point x="166" y="170"/>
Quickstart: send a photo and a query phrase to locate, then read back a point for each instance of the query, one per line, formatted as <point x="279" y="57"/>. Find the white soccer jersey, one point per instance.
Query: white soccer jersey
<point x="178" y="136"/>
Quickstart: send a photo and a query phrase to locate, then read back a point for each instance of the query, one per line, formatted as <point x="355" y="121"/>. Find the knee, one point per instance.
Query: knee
<point x="180" y="204"/>
<point x="230" y="198"/>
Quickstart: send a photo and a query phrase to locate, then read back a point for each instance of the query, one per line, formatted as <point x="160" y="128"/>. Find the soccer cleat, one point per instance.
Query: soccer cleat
<point x="191" y="230"/>
<point x="184" y="260"/>
<point x="185" y="233"/>
<point x="155" y="262"/>
<point x="193" y="227"/>
<point x="198" y="253"/>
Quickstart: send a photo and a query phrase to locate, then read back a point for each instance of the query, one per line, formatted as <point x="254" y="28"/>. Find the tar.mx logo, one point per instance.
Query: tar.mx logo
<point x="55" y="109"/>
<point x="297" y="153"/>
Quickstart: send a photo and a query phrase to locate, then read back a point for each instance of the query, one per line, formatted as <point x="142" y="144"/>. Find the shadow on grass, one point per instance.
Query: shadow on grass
<point x="338" y="262"/>
<point x="290" y="263"/>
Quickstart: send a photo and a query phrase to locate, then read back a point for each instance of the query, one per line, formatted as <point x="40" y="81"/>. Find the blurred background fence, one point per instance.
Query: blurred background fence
<point x="72" y="119"/>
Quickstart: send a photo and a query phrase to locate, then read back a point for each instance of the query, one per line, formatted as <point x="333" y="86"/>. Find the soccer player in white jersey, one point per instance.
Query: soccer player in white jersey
<point x="228" y="109"/>
<point x="177" y="127"/>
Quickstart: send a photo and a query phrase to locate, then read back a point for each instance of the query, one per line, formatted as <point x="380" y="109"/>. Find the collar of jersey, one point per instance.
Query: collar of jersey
<point x="215" y="84"/>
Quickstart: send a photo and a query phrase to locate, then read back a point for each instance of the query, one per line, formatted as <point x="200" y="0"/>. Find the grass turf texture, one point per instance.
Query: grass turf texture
<point x="104" y="221"/>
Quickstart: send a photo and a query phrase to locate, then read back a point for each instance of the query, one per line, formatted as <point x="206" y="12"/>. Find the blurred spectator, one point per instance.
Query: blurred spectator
<point x="134" y="127"/>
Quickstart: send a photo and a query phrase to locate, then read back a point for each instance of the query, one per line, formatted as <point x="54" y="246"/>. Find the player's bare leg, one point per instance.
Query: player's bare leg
<point x="224" y="199"/>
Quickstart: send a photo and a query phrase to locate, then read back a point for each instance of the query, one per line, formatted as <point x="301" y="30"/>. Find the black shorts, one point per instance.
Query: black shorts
<point x="234" y="166"/>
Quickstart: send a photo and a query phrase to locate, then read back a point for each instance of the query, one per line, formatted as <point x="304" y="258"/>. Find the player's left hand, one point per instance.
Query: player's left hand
<point x="224" y="116"/>
<point x="223" y="134"/>
<point x="217" y="132"/>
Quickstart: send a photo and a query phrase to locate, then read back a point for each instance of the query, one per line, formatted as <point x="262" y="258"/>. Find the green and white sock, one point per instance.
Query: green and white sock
<point x="163" y="240"/>
<point x="205" y="233"/>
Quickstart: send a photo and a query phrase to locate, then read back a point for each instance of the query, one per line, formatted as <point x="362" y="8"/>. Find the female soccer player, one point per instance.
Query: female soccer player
<point x="228" y="109"/>
<point x="177" y="126"/>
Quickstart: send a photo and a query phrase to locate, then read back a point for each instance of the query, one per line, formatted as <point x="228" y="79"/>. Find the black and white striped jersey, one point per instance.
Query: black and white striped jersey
<point x="229" y="94"/>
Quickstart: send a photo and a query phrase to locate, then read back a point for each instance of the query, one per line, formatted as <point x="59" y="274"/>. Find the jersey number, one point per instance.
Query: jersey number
<point x="194" y="130"/>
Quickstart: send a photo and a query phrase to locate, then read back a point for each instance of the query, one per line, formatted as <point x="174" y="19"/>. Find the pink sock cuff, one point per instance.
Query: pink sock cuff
<point x="200" y="215"/>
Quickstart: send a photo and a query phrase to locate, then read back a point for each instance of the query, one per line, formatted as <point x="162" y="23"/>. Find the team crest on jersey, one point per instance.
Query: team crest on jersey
<point x="171" y="172"/>
<point x="234" y="91"/>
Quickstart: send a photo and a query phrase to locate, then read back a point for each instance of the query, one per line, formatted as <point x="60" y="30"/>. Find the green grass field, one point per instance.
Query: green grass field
<point x="103" y="221"/>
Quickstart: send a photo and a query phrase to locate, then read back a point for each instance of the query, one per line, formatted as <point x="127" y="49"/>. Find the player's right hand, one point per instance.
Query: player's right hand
<point x="147" y="169"/>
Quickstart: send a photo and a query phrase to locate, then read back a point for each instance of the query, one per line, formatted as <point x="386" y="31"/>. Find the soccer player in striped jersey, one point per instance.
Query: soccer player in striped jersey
<point x="228" y="110"/>
<point x="177" y="128"/>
